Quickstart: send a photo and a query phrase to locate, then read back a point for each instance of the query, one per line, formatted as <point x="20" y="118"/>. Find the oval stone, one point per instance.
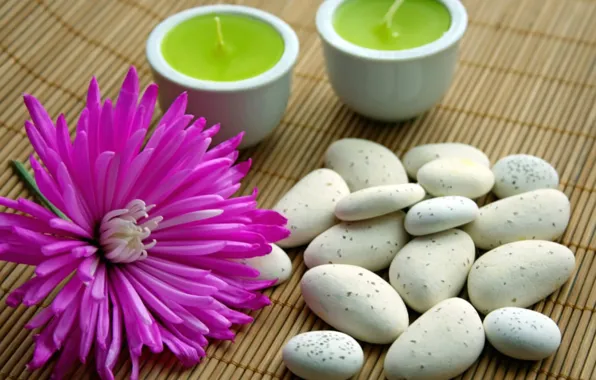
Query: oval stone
<point x="419" y="155"/>
<point x="456" y="176"/>
<point x="355" y="301"/>
<point x="309" y="206"/>
<point x="274" y="266"/>
<point x="521" y="333"/>
<point x="370" y="244"/>
<point x="540" y="214"/>
<point x="520" y="173"/>
<point x="441" y="344"/>
<point x="363" y="163"/>
<point x="323" y="355"/>
<point x="432" y="268"/>
<point x="440" y="214"/>
<point x="376" y="201"/>
<point x="519" y="274"/>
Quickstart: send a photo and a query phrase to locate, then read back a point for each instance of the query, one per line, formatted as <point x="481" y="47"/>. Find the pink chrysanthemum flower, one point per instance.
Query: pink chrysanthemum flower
<point x="148" y="246"/>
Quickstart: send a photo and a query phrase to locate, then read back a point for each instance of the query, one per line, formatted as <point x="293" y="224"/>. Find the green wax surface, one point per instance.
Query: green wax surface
<point x="415" y="23"/>
<point x="250" y="47"/>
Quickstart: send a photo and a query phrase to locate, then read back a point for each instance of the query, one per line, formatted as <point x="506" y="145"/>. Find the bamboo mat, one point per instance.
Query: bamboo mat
<point x="526" y="82"/>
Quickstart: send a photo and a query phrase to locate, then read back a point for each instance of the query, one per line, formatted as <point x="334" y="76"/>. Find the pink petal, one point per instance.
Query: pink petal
<point x="61" y="247"/>
<point x="178" y="269"/>
<point x="67" y="295"/>
<point x="52" y="265"/>
<point x="148" y="101"/>
<point x="176" y="109"/>
<point x="40" y="319"/>
<point x="168" y="292"/>
<point x="66" y="323"/>
<point x="225" y="148"/>
<point x="126" y="291"/>
<point x="42" y="120"/>
<point x="155" y="304"/>
<point x="103" y="320"/>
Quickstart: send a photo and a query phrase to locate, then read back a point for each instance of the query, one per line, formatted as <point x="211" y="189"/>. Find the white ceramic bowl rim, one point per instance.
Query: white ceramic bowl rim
<point x="459" y="23"/>
<point x="159" y="64"/>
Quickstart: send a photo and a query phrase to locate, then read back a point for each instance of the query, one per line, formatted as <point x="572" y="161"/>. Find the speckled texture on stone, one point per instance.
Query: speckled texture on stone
<point x="520" y="173"/>
<point x="323" y="355"/>
<point x="439" y="345"/>
<point x="309" y="206"/>
<point x="370" y="244"/>
<point x="376" y="201"/>
<point x="456" y="176"/>
<point x="364" y="163"/>
<point x="440" y="214"/>
<point x="355" y="301"/>
<point x="432" y="268"/>
<point x="540" y="214"/>
<point x="521" y="333"/>
<point x="419" y="155"/>
<point x="519" y="274"/>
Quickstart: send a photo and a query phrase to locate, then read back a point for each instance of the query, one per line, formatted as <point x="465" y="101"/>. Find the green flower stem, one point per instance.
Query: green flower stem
<point x="32" y="186"/>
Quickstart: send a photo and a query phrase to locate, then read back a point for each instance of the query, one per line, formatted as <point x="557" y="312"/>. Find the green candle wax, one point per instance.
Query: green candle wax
<point x="225" y="47"/>
<point x="375" y="25"/>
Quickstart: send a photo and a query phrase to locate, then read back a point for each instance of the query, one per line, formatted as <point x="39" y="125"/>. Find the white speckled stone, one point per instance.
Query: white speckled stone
<point x="519" y="274"/>
<point x="310" y="205"/>
<point x="363" y="163"/>
<point x="275" y="265"/>
<point x="521" y="173"/>
<point x="376" y="201"/>
<point x="440" y="214"/>
<point x="370" y="244"/>
<point x="355" y="301"/>
<point x="432" y="268"/>
<point x="323" y="355"/>
<point x="419" y="155"/>
<point x="456" y="176"/>
<point x="521" y="333"/>
<point x="540" y="214"/>
<point x="441" y="344"/>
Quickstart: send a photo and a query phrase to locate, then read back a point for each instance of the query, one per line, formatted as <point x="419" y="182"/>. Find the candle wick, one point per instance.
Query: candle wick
<point x="388" y="18"/>
<point x="220" y="41"/>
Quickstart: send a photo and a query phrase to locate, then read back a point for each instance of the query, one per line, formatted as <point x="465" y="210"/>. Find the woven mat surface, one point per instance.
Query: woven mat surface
<point x="526" y="82"/>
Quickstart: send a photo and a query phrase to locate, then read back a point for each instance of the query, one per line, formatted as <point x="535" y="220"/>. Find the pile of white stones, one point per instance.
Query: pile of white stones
<point x="352" y="216"/>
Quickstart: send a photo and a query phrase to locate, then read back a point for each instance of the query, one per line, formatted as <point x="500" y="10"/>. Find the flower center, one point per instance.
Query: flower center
<point x="122" y="236"/>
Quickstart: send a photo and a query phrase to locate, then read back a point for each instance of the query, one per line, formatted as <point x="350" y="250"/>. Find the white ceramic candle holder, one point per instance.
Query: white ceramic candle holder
<point x="390" y="85"/>
<point x="254" y="105"/>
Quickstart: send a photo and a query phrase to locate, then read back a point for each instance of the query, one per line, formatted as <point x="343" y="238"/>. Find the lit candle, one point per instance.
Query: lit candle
<point x="391" y="59"/>
<point x="234" y="62"/>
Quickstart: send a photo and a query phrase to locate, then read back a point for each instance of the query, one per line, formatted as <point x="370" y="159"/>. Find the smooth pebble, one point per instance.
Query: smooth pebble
<point x="310" y="205"/>
<point x="376" y="201"/>
<point x="521" y="333"/>
<point x="441" y="344"/>
<point x="520" y="173"/>
<point x="363" y="163"/>
<point x="355" y="301"/>
<point x="519" y="274"/>
<point x="456" y="176"/>
<point x="432" y="268"/>
<point x="275" y="265"/>
<point x="440" y="214"/>
<point x="323" y="355"/>
<point x="370" y="244"/>
<point x="419" y="155"/>
<point x="540" y="214"/>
